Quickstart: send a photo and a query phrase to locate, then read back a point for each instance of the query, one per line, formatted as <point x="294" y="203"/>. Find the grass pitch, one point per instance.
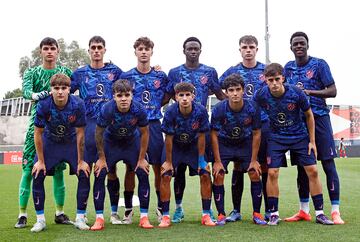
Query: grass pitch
<point x="190" y="229"/>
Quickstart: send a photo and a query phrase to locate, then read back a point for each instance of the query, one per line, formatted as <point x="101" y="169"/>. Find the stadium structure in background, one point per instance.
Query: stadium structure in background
<point x="15" y="113"/>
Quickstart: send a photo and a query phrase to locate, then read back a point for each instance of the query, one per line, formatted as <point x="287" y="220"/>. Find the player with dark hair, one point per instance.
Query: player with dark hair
<point x="235" y="136"/>
<point x="342" y="148"/>
<point x="94" y="82"/>
<point x="252" y="73"/>
<point x="122" y="133"/>
<point x="285" y="105"/>
<point x="205" y="80"/>
<point x="313" y="75"/>
<point x="149" y="85"/>
<point x="36" y="86"/>
<point x="185" y="124"/>
<point x="59" y="137"/>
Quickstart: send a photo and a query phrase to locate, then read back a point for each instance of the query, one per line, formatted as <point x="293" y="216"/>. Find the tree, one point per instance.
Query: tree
<point x="14" y="93"/>
<point x="71" y="56"/>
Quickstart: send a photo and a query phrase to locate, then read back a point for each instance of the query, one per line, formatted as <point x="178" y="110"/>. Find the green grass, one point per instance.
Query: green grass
<point x="190" y="229"/>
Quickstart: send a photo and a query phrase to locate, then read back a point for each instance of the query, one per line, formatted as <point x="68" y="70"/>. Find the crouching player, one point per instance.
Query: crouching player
<point x="185" y="124"/>
<point x="235" y="136"/>
<point x="284" y="104"/>
<point x="59" y="137"/>
<point x="122" y="133"/>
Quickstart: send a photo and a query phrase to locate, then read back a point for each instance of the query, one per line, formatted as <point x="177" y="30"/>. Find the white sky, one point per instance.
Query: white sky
<point x="332" y="27"/>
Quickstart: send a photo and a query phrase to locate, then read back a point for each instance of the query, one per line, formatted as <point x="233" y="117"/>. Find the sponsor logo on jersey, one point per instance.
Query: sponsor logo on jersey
<point x="122" y="131"/>
<point x="146" y="97"/>
<point x="184" y="137"/>
<point x="60" y="130"/>
<point x="300" y="85"/>
<point x="100" y="90"/>
<point x="281" y="117"/>
<point x="249" y="90"/>
<point x="236" y="131"/>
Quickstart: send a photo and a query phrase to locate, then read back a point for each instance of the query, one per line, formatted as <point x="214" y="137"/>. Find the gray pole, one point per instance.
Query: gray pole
<point x="267" y="35"/>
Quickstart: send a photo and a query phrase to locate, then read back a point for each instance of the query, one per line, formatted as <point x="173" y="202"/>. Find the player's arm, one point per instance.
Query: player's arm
<point x="166" y="98"/>
<point x="220" y="95"/>
<point x="254" y="164"/>
<point x="167" y="165"/>
<point x="202" y="164"/>
<point x="144" y="142"/>
<point x="28" y="87"/>
<point x="80" y="140"/>
<point x="327" y="92"/>
<point x="310" y="123"/>
<point x="40" y="164"/>
<point x="217" y="166"/>
<point x="99" y="140"/>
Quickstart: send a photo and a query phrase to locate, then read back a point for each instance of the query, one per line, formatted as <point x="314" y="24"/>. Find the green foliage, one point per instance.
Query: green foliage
<point x="14" y="93"/>
<point x="71" y="56"/>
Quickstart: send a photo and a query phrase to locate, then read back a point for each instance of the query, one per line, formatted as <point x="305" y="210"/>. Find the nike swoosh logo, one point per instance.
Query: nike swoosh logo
<point x="259" y="195"/>
<point x="146" y="194"/>
<point x="218" y="198"/>
<point x="37" y="201"/>
<point x="97" y="196"/>
<point x="332" y="187"/>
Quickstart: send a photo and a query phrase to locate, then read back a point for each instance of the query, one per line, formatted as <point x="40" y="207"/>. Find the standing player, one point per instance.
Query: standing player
<point x="342" y="148"/>
<point x="59" y="137"/>
<point x="185" y="124"/>
<point x="252" y="73"/>
<point x="235" y="136"/>
<point x="285" y="105"/>
<point x="122" y="120"/>
<point x="149" y="88"/>
<point x="94" y="82"/>
<point x="313" y="76"/>
<point x="205" y="80"/>
<point x="36" y="86"/>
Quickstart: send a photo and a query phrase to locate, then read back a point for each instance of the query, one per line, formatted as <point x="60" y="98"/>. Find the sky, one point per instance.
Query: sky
<point x="332" y="27"/>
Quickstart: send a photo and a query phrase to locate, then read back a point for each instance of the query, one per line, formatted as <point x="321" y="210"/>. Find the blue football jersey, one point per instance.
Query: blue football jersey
<point x="122" y="126"/>
<point x="204" y="78"/>
<point x="315" y="75"/>
<point x="59" y="125"/>
<point x="148" y="89"/>
<point x="95" y="86"/>
<point x="234" y="127"/>
<point x="285" y="112"/>
<point x="185" y="129"/>
<point x="254" y="80"/>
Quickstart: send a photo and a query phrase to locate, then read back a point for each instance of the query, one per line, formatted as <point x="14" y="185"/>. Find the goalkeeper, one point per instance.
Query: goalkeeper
<point x="36" y="86"/>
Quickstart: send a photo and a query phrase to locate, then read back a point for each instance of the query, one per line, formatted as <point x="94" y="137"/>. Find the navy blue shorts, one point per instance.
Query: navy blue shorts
<point x="265" y="131"/>
<point x="156" y="142"/>
<point x="187" y="155"/>
<point x="236" y="153"/>
<point x="90" y="151"/>
<point x="298" y="152"/>
<point x="116" y="151"/>
<point x="324" y="138"/>
<point x="56" y="153"/>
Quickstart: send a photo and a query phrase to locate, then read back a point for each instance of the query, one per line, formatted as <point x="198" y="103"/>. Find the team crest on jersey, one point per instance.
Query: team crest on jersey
<point x="111" y="76"/>
<point x="247" y="121"/>
<point x="195" y="125"/>
<point x="157" y="84"/>
<point x="291" y="106"/>
<point x="309" y="74"/>
<point x="262" y="77"/>
<point x="133" y="121"/>
<point x="204" y="79"/>
<point x="72" y="118"/>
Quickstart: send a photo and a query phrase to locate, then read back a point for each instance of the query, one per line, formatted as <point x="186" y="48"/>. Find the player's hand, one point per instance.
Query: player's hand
<point x="143" y="164"/>
<point x="255" y="166"/>
<point x="313" y="148"/>
<point x="157" y="68"/>
<point x="83" y="166"/>
<point x="40" y="95"/>
<point x="99" y="165"/>
<point x="217" y="168"/>
<point x="165" y="167"/>
<point x="38" y="166"/>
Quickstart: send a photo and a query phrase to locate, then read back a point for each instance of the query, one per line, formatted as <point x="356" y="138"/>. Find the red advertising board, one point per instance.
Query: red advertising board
<point x="12" y="157"/>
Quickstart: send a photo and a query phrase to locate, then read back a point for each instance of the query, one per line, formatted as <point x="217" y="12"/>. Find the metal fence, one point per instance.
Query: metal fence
<point x="15" y="107"/>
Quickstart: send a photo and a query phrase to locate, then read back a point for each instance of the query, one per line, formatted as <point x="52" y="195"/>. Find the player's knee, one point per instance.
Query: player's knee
<point x="166" y="177"/>
<point x="312" y="172"/>
<point x="112" y="176"/>
<point x="273" y="174"/>
<point x="204" y="176"/>
<point x="219" y="179"/>
<point x="254" y="177"/>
